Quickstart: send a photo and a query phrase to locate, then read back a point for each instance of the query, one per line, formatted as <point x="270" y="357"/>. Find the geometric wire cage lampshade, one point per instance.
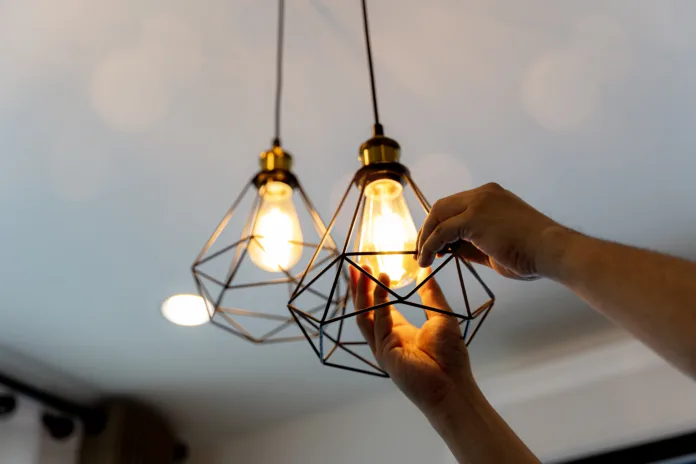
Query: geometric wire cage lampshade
<point x="340" y="344"/>
<point x="223" y="280"/>
<point x="246" y="274"/>
<point x="382" y="234"/>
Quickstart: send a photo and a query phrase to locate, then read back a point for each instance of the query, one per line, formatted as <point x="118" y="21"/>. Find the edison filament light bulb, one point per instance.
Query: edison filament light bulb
<point x="387" y="226"/>
<point x="277" y="237"/>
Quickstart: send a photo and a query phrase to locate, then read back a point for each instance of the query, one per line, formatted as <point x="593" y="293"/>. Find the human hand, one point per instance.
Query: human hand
<point x="427" y="364"/>
<point x="491" y="226"/>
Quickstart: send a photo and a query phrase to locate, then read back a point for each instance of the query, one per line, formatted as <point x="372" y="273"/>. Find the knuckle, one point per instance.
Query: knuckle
<point x="494" y="187"/>
<point x="463" y="230"/>
<point x="437" y="207"/>
<point x="480" y="201"/>
<point x="439" y="232"/>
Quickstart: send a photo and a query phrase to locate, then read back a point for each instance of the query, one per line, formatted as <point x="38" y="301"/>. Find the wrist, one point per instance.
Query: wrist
<point x="556" y="244"/>
<point x="459" y="404"/>
<point x="475" y="432"/>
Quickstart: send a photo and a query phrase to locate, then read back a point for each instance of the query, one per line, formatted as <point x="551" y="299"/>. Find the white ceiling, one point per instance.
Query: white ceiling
<point x="127" y="127"/>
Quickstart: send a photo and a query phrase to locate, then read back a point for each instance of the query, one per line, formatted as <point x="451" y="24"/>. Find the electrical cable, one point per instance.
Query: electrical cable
<point x="378" y="129"/>
<point x="279" y="70"/>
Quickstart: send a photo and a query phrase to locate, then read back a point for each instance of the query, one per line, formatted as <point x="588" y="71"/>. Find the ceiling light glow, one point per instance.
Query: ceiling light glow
<point x="187" y="310"/>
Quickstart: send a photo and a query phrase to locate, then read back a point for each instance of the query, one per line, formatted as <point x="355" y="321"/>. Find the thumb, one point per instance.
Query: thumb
<point x="430" y="292"/>
<point x="431" y="295"/>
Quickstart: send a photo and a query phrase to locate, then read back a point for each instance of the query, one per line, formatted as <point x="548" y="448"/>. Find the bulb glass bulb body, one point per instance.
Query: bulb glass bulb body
<point x="387" y="226"/>
<point x="277" y="237"/>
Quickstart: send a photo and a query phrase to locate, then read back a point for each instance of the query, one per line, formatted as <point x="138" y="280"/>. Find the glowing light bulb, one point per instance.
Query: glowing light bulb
<point x="386" y="226"/>
<point x="277" y="243"/>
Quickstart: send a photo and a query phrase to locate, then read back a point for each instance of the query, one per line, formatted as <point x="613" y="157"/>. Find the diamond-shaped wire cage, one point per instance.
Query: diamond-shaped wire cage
<point x="340" y="344"/>
<point x="246" y="302"/>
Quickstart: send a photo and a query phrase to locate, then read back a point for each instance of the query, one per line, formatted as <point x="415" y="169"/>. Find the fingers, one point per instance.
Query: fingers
<point x="354" y="277"/>
<point x="446" y="208"/>
<point x="446" y="232"/>
<point x="374" y="325"/>
<point x="382" y="316"/>
<point x="362" y="288"/>
<point x="441" y="211"/>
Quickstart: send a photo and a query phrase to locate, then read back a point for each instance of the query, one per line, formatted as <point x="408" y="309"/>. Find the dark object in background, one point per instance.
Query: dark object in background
<point x="181" y="452"/>
<point x="93" y="419"/>
<point x="676" y="450"/>
<point x="8" y="404"/>
<point x="60" y="427"/>
<point x="133" y="433"/>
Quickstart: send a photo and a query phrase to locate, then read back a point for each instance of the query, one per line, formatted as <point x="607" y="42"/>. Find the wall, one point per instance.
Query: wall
<point x="24" y="440"/>
<point x="606" y="397"/>
<point x="20" y="436"/>
<point x="378" y="430"/>
<point x="630" y="408"/>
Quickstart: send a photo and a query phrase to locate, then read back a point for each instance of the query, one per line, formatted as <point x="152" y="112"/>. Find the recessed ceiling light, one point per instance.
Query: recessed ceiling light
<point x="185" y="309"/>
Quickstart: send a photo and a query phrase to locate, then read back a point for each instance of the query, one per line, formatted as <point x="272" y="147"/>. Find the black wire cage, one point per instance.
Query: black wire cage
<point x="339" y="344"/>
<point x="250" y="302"/>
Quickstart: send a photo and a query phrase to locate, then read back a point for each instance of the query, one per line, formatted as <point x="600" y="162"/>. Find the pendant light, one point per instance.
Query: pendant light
<point x="272" y="240"/>
<point x="381" y="234"/>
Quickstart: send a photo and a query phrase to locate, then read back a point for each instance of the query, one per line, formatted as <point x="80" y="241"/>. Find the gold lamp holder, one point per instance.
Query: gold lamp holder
<point x="380" y="157"/>
<point x="276" y="165"/>
<point x="275" y="159"/>
<point x="378" y="150"/>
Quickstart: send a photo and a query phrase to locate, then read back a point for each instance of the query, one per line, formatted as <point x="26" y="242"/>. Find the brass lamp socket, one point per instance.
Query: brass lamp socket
<point x="275" y="158"/>
<point x="379" y="157"/>
<point x="379" y="149"/>
<point x="276" y="165"/>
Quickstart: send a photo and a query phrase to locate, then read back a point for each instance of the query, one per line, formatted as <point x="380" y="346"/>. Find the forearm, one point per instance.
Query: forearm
<point x="650" y="294"/>
<point x="475" y="433"/>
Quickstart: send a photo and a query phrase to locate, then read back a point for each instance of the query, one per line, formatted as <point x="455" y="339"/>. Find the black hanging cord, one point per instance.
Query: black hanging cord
<point x="377" y="128"/>
<point x="279" y="70"/>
